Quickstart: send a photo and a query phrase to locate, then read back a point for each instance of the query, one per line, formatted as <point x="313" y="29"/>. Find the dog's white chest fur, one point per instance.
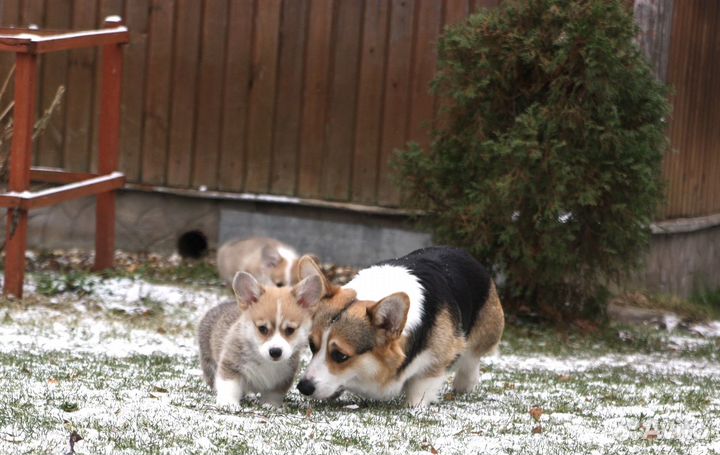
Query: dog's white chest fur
<point x="379" y="281"/>
<point x="268" y="375"/>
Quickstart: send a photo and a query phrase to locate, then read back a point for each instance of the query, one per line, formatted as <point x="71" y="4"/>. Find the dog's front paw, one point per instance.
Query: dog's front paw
<point x="272" y="399"/>
<point x="226" y="400"/>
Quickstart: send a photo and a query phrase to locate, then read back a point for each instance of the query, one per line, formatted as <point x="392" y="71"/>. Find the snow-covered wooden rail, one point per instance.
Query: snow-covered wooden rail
<point x="27" y="44"/>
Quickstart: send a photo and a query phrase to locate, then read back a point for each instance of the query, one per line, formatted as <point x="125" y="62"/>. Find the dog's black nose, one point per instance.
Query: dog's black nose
<point x="306" y="387"/>
<point x="275" y="352"/>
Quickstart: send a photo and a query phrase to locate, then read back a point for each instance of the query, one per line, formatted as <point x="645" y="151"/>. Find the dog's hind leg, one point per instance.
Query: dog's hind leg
<point x="467" y="373"/>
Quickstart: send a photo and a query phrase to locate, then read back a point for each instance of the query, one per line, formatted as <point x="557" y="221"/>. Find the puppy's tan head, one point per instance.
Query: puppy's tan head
<point x="278" y="320"/>
<point x="278" y="264"/>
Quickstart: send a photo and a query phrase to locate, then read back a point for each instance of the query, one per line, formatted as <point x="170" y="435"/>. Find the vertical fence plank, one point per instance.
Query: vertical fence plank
<point x="56" y="65"/>
<point x="79" y="96"/>
<point x="133" y="94"/>
<point x="476" y="4"/>
<point x="315" y="94"/>
<point x="678" y="69"/>
<point x="9" y="16"/>
<point x="370" y="101"/>
<point x="289" y="96"/>
<point x="183" y="91"/>
<point x="262" y="96"/>
<point x="32" y="13"/>
<point x="712" y="204"/>
<point x="397" y="91"/>
<point x="456" y="11"/>
<point x="237" y="80"/>
<point x="424" y="64"/>
<point x="10" y="13"/>
<point x="105" y="8"/>
<point x="337" y="162"/>
<point x="157" y="93"/>
<point x="210" y="94"/>
<point x="706" y="151"/>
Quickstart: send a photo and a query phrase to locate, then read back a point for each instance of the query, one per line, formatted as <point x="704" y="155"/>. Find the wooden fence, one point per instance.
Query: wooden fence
<point x="295" y="97"/>
<point x="693" y="169"/>
<point x="309" y="98"/>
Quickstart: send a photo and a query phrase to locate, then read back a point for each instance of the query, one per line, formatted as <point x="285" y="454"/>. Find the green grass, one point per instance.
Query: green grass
<point x="599" y="393"/>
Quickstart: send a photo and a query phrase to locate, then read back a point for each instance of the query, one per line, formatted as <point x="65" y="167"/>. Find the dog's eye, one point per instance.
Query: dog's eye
<point x="289" y="330"/>
<point x="313" y="348"/>
<point x="263" y="329"/>
<point x="338" y="356"/>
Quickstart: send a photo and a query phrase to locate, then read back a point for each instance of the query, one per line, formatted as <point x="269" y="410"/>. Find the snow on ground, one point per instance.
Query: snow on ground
<point x="119" y="367"/>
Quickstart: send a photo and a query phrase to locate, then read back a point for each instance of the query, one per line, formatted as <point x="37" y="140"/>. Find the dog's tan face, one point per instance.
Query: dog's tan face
<point x="356" y="345"/>
<point x="277" y="320"/>
<point x="358" y="348"/>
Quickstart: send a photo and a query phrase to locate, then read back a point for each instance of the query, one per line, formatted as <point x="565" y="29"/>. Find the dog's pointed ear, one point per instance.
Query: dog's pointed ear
<point x="308" y="292"/>
<point x="308" y="266"/>
<point x="246" y="288"/>
<point x="390" y="314"/>
<point x="271" y="257"/>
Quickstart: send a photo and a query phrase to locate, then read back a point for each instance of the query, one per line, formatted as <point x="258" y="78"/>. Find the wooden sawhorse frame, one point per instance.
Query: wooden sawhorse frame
<point x="27" y="44"/>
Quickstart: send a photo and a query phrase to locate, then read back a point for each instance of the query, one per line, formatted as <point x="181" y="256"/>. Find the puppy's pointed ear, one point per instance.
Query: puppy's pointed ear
<point x="270" y="256"/>
<point x="389" y="315"/>
<point x="246" y="288"/>
<point x="308" y="292"/>
<point x="308" y="266"/>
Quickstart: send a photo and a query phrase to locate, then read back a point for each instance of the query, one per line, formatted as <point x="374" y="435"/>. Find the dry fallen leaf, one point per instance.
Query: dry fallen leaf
<point x="536" y="412"/>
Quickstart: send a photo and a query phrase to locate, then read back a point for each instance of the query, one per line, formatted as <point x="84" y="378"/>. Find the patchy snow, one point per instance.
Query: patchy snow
<point x="641" y="363"/>
<point x="120" y="367"/>
<point x="709" y="329"/>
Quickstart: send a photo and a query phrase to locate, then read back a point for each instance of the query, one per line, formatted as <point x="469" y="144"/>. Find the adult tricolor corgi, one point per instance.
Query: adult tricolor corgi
<point x="401" y="325"/>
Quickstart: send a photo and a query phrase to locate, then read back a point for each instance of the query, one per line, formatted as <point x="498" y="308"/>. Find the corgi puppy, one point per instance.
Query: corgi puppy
<point x="254" y="344"/>
<point x="401" y="325"/>
<point x="268" y="260"/>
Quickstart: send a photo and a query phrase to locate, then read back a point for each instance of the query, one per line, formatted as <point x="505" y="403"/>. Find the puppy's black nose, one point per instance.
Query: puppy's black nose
<point x="306" y="387"/>
<point x="275" y="352"/>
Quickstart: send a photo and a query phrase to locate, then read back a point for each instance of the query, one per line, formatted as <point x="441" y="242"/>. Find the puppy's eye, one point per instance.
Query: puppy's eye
<point x="313" y="348"/>
<point x="289" y="330"/>
<point x="263" y="329"/>
<point x="338" y="356"/>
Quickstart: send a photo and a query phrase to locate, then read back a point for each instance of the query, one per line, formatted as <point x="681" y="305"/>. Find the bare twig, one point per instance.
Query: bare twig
<point x="44" y="121"/>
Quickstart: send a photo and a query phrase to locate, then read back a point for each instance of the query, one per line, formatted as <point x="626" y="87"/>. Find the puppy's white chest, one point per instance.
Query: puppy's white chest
<point x="268" y="375"/>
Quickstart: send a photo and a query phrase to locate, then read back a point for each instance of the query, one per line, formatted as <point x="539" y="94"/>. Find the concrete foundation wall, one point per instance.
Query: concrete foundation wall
<point x="683" y="263"/>
<point x="154" y="222"/>
<point x="678" y="263"/>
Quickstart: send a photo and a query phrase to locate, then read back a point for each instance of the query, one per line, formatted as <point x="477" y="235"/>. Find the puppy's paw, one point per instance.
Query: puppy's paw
<point x="226" y="400"/>
<point x="272" y="399"/>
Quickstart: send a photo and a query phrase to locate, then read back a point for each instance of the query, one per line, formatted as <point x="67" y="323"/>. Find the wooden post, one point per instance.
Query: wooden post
<point x="19" y="180"/>
<point x="109" y="143"/>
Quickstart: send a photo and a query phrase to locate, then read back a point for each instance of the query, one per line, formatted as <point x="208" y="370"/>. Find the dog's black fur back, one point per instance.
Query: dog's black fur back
<point x="451" y="278"/>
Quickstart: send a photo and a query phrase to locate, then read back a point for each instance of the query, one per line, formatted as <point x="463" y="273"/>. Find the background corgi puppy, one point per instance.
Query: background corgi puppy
<point x="270" y="261"/>
<point x="399" y="326"/>
<point x="253" y="345"/>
